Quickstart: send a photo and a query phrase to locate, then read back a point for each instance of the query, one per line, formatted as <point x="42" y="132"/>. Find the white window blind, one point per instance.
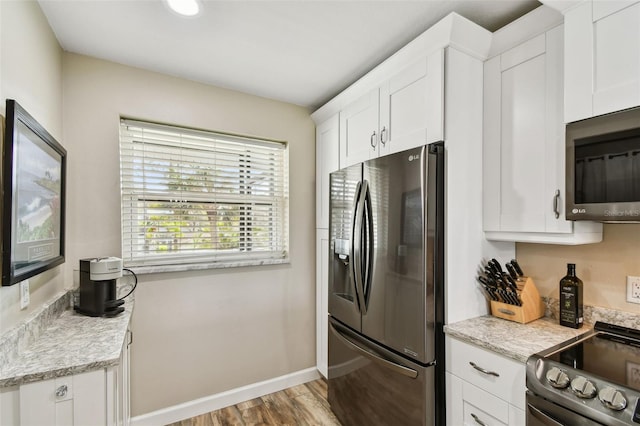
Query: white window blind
<point x="193" y="199"/>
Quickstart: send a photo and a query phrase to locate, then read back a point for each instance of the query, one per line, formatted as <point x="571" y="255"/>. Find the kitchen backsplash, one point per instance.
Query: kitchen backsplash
<point x="603" y="267"/>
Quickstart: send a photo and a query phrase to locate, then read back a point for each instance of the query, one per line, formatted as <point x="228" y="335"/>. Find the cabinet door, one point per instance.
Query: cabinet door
<point x="38" y="403"/>
<point x="79" y="399"/>
<point x="90" y="398"/>
<point x="454" y="399"/>
<point x="411" y="106"/>
<point x="602" y="58"/>
<point x="523" y="140"/>
<point x="359" y="130"/>
<point x="327" y="155"/>
<point x="322" y="296"/>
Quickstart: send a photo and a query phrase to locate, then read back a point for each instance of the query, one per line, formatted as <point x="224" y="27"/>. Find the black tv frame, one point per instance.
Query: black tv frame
<point x="17" y="118"/>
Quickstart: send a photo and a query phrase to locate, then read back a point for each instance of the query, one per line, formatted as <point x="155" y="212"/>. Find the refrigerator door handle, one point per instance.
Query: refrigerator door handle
<point x="357" y="238"/>
<point x="355" y="242"/>
<point x="373" y="356"/>
<point x="370" y="246"/>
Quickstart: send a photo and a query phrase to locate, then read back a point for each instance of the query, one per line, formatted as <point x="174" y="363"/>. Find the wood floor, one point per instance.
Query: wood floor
<point x="302" y="405"/>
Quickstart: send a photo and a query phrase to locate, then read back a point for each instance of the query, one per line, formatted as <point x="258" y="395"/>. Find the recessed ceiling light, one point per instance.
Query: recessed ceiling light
<point x="184" y="7"/>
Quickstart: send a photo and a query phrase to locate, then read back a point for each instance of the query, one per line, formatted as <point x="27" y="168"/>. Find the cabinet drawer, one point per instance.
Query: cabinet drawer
<point x="481" y="407"/>
<point x="501" y="376"/>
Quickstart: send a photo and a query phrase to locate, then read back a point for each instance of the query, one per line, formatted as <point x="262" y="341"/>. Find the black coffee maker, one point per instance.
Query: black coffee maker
<point x="98" y="295"/>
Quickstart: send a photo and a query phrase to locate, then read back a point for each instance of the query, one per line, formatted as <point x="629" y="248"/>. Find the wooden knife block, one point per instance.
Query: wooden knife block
<point x="532" y="307"/>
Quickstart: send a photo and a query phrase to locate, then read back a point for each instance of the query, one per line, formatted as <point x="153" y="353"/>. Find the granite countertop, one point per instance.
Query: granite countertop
<point x="512" y="339"/>
<point x="70" y="343"/>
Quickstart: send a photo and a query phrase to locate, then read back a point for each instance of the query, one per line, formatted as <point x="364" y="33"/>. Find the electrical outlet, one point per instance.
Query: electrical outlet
<point x="24" y="294"/>
<point x="633" y="289"/>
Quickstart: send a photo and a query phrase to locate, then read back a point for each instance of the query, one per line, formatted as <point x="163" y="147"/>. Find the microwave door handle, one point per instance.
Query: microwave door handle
<point x="556" y="203"/>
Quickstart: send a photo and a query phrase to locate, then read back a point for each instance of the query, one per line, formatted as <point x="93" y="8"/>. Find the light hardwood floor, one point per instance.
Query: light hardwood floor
<point x="302" y="405"/>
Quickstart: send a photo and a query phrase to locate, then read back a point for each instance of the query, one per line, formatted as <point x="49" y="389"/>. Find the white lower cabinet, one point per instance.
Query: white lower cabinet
<point x="79" y="399"/>
<point x="483" y="387"/>
<point x="99" y="397"/>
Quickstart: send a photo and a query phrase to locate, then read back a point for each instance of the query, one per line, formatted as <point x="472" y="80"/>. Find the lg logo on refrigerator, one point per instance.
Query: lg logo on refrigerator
<point x="414" y="157"/>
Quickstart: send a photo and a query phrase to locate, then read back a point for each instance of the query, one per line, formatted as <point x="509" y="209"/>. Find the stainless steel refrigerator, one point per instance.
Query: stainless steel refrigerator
<point x="386" y="290"/>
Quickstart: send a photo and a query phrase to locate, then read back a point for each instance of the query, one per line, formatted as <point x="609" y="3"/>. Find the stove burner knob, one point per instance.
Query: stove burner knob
<point x="557" y="378"/>
<point x="583" y="388"/>
<point x="612" y="398"/>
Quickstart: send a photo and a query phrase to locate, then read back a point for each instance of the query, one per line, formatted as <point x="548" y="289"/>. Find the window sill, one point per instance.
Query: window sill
<point x="157" y="269"/>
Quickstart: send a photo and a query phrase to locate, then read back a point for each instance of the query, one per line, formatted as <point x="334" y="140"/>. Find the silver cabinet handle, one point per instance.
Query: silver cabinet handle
<point x="477" y="420"/>
<point x="482" y="370"/>
<point x="373" y="140"/>
<point x="61" y="391"/>
<point x="383" y="135"/>
<point x="556" y="207"/>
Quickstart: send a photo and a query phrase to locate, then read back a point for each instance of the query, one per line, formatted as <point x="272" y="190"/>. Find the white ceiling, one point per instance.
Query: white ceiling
<point x="298" y="51"/>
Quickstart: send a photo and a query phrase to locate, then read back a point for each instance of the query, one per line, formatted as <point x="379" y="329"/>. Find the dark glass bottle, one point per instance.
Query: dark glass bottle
<point x="571" y="299"/>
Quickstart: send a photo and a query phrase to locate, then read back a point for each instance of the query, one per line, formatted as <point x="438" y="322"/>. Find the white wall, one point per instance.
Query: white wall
<point x="30" y="73"/>
<point x="198" y="333"/>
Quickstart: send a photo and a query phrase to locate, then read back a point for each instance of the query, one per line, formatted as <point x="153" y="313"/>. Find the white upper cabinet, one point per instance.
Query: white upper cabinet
<point x="327" y="154"/>
<point x="523" y="146"/>
<point x="602" y="58"/>
<point x="403" y="112"/>
<point x="359" y="129"/>
<point x="411" y="105"/>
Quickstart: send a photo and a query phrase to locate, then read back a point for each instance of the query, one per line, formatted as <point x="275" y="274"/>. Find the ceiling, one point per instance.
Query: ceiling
<point x="298" y="51"/>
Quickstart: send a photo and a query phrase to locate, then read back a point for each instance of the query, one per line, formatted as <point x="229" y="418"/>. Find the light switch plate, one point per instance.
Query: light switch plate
<point x="24" y="294"/>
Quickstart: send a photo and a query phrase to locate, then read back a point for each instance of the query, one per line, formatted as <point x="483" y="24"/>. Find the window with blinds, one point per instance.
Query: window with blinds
<point x="193" y="199"/>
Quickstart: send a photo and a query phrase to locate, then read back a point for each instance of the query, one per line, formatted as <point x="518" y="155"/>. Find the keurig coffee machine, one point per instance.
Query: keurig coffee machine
<point x="98" y="296"/>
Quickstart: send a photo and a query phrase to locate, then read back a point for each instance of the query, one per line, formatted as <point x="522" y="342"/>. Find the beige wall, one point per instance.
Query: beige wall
<point x="30" y="73"/>
<point x="197" y="333"/>
<point x="603" y="267"/>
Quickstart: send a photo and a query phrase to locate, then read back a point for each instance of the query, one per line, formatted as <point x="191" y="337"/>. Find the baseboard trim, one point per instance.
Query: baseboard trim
<point x="224" y="399"/>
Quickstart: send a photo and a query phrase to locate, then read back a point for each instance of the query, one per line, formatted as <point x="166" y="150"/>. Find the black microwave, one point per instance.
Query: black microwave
<point x="603" y="168"/>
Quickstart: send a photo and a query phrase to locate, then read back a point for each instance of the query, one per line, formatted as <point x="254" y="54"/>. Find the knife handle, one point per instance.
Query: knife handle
<point x="512" y="271"/>
<point x="517" y="267"/>
<point x="496" y="265"/>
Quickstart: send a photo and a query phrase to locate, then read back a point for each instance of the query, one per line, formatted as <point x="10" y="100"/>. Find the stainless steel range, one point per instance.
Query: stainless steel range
<point x="589" y="380"/>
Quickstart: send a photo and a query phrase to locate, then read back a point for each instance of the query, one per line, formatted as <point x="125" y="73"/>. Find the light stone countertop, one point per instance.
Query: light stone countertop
<point x="70" y="344"/>
<point x="512" y="339"/>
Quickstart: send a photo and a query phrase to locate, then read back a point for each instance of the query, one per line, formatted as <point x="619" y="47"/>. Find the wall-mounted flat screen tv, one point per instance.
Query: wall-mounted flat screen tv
<point x="33" y="203"/>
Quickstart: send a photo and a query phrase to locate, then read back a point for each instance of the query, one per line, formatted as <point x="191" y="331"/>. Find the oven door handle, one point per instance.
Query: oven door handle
<point x="544" y="418"/>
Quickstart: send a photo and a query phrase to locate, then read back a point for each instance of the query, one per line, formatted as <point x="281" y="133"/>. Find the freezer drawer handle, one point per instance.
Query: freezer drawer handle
<point x="482" y="370"/>
<point x="374" y="356"/>
<point x="477" y="420"/>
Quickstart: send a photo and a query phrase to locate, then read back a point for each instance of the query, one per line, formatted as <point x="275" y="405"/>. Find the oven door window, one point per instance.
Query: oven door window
<point x="607" y="168"/>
